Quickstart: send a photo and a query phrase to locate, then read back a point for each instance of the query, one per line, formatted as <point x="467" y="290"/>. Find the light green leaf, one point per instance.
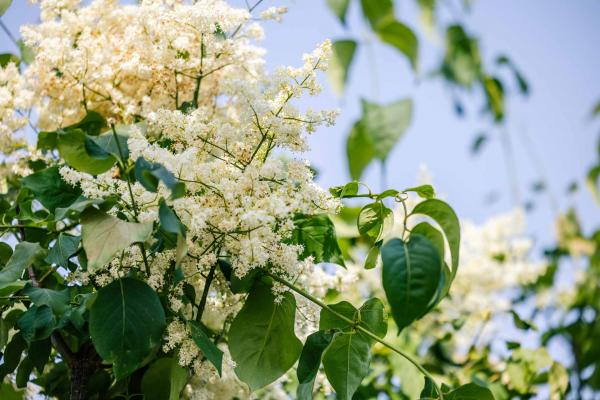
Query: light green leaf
<point x="4" y="4"/>
<point x="339" y="8"/>
<point x="359" y="150"/>
<point x="49" y="188"/>
<point x="375" y="220"/>
<point x="494" y="92"/>
<point x="400" y="36"/>
<point x="377" y="12"/>
<point x="346" y="363"/>
<point x="27" y="53"/>
<point x="24" y="255"/>
<point x="339" y="64"/>
<point x="309" y="362"/>
<point x="103" y="236"/>
<point x="71" y="146"/>
<point x="164" y="380"/>
<point x="262" y="341"/>
<point x="317" y="234"/>
<point x="208" y="348"/>
<point x="127" y="322"/>
<point x="63" y="249"/>
<point x="385" y="124"/>
<point x="559" y="381"/>
<point x="423" y="191"/>
<point x="372" y="257"/>
<point x="411" y="275"/>
<point x="446" y="218"/>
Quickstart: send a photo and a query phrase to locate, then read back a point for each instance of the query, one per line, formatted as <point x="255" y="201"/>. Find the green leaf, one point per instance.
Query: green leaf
<point x="446" y="218"/>
<point x="375" y="220"/>
<point x="6" y="58"/>
<point x="262" y="341"/>
<point x="49" y="189"/>
<point x="12" y="355"/>
<point x="521" y="323"/>
<point x="73" y="211"/>
<point x="149" y="174"/>
<point x="105" y="147"/>
<point x="126" y="325"/>
<point x="346" y="363"/>
<point x="411" y="274"/>
<point x="373" y="317"/>
<point x="63" y="249"/>
<point x="400" y="36"/>
<point x="317" y="234"/>
<point x="385" y="124"/>
<point x="208" y="348"/>
<point x="372" y="257"/>
<point x="428" y="391"/>
<point x="494" y="93"/>
<point x="92" y="124"/>
<point x="339" y="8"/>
<point x="423" y="191"/>
<point x="37" y="323"/>
<point x="377" y="12"/>
<point x="339" y="64"/>
<point x="71" y="146"/>
<point x="24" y="255"/>
<point x="359" y="150"/>
<point x="329" y="321"/>
<point x="558" y="380"/>
<point x="309" y="362"/>
<point x="170" y="224"/>
<point x="27" y="53"/>
<point x="58" y="301"/>
<point x="164" y="380"/>
<point x="39" y="353"/>
<point x="4" y="4"/>
<point x="470" y="391"/>
<point x="5" y="252"/>
<point x="310" y="358"/>
<point x="478" y="143"/>
<point x="103" y="236"/>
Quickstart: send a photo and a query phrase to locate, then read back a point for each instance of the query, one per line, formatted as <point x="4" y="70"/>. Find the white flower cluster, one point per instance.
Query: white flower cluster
<point x="15" y="99"/>
<point x="211" y="114"/>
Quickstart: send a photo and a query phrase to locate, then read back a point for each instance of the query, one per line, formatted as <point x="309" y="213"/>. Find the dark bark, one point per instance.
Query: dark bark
<point x="84" y="365"/>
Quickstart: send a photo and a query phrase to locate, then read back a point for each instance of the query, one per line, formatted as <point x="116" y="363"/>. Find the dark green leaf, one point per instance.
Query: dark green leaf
<point x="446" y="218"/>
<point x="164" y="380"/>
<point x="103" y="236"/>
<point x="6" y="58"/>
<point x="428" y="391"/>
<point x="520" y="323"/>
<point x="63" y="249"/>
<point x="71" y="146"/>
<point x="5" y="252"/>
<point x="39" y="353"/>
<point x="411" y="274"/>
<point x="339" y="64"/>
<point x="58" y="301"/>
<point x="346" y="363"/>
<point x="262" y="341"/>
<point x="470" y="391"/>
<point x="478" y="143"/>
<point x="148" y="174"/>
<point x="37" y="323"/>
<point x="317" y="234"/>
<point x="25" y="254"/>
<point x="12" y="355"/>
<point x="126" y="325"/>
<point x="373" y="317"/>
<point x="310" y="359"/>
<point x="106" y="146"/>
<point x="50" y="190"/>
<point x="208" y="348"/>
<point x="92" y="123"/>
<point x="329" y="321"/>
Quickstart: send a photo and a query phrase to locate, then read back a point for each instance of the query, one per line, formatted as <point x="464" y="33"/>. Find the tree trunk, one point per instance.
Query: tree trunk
<point x="83" y="366"/>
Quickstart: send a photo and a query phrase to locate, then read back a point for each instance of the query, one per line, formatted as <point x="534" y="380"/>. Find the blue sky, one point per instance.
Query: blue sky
<point x="551" y="41"/>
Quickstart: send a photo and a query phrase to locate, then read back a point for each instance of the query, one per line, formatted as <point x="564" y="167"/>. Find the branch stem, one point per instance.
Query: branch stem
<point x="359" y="328"/>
